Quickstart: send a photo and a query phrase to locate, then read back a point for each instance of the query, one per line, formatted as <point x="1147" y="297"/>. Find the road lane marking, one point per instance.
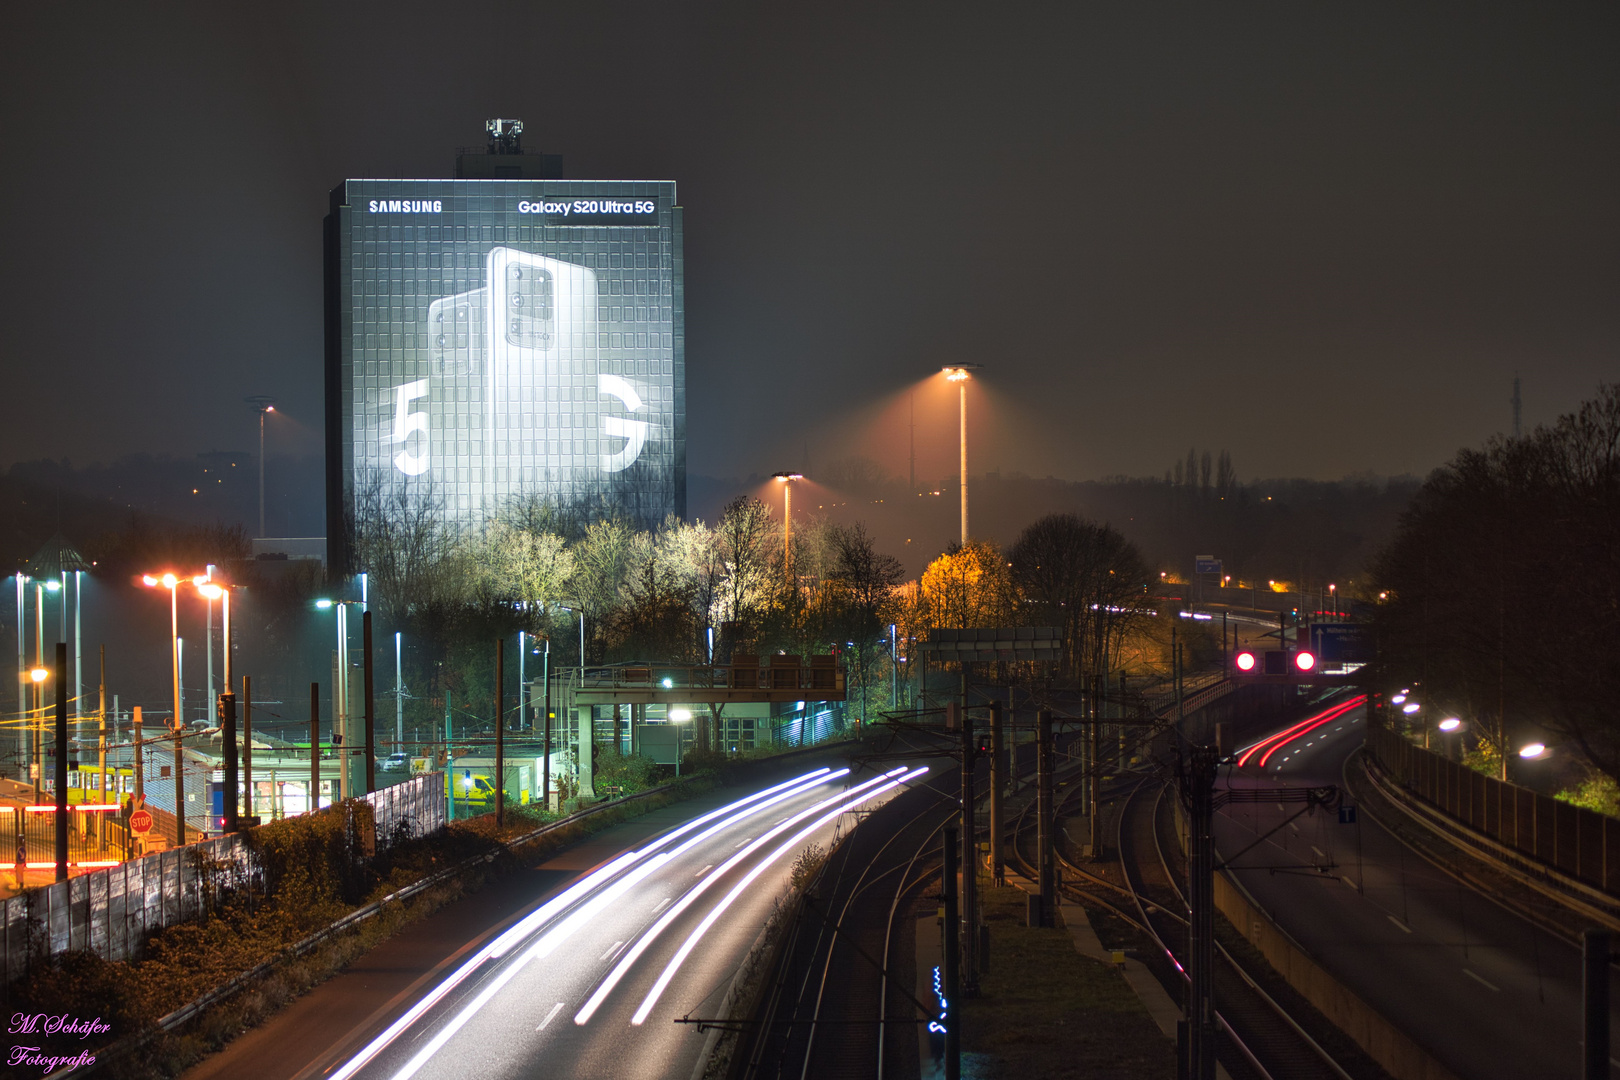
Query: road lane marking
<point x="705" y="870"/>
<point x="550" y="1016"/>
<point x="611" y="953"/>
<point x="840" y="806"/>
<point x="691" y="895"/>
<point x="744" y="841"/>
<point x="1400" y="924"/>
<point x="1481" y="981"/>
<point x="662" y="904"/>
<point x="1351" y="882"/>
<point x="1320" y="854"/>
<point x="520" y="931"/>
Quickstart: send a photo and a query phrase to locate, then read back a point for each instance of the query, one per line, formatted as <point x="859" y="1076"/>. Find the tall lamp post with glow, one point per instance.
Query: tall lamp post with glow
<point x="340" y="691"/>
<point x="262" y="404"/>
<point x="786" y="480"/>
<point x="37" y="766"/>
<point x="960" y="374"/>
<point x="171" y="582"/>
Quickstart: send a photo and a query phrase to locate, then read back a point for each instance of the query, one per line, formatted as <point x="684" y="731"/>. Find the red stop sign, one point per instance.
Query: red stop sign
<point x="140" y="822"/>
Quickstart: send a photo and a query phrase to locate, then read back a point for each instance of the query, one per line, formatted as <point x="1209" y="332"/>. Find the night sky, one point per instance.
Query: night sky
<point x="1325" y="237"/>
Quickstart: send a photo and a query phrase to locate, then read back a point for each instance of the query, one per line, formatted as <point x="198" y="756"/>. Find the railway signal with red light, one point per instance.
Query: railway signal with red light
<point x="1245" y="661"/>
<point x="1305" y="660"/>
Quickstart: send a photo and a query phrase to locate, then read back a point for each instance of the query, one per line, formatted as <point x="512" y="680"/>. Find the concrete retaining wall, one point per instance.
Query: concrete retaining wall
<point x="1403" y="1058"/>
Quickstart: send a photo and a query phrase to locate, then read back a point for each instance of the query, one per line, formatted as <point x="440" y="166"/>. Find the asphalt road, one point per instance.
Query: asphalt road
<point x="584" y="977"/>
<point x="1487" y="993"/>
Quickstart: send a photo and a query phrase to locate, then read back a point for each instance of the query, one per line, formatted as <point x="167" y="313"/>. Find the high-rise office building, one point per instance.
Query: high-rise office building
<point x="504" y="336"/>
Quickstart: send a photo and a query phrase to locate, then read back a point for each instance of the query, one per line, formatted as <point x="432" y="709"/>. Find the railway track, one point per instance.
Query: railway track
<point x="1259" y="1039"/>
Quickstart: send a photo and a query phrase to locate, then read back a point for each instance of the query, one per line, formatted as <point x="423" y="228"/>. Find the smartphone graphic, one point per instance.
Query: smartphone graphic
<point x="542" y="344"/>
<point x="518" y="398"/>
<point x="457" y="330"/>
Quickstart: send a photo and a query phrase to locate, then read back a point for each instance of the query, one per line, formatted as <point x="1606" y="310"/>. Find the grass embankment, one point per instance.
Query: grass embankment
<point x="1046" y="1011"/>
<point x="314" y="883"/>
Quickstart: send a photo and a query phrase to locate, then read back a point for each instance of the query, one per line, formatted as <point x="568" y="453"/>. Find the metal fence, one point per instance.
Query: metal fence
<point x="111" y="912"/>
<point x="1582" y="843"/>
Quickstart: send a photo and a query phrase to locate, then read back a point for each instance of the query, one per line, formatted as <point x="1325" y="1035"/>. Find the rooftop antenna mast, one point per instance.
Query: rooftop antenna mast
<point x="1516" y="405"/>
<point x="505" y="136"/>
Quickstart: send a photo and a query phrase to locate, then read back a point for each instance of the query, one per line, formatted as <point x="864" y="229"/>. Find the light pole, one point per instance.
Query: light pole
<point x="171" y="582"/>
<point x="960" y="374"/>
<point x="340" y="692"/>
<point x="262" y="404"/>
<point x="786" y="480"/>
<point x="211" y="591"/>
<point x="399" y="692"/>
<point x="38" y="675"/>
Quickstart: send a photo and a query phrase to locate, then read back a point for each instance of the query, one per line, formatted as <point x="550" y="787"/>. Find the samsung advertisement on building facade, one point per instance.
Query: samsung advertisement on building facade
<point x="499" y="340"/>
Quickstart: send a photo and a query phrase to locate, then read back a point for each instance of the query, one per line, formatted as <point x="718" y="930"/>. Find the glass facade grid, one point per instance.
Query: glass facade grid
<point x="499" y="340"/>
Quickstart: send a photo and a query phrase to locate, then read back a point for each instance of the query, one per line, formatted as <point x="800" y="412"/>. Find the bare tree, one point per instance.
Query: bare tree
<point x="1083" y="577"/>
<point x="401" y="539"/>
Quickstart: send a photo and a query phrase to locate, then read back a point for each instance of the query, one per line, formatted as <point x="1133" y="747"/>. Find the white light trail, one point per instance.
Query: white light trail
<point x="561" y="903"/>
<point x="748" y="879"/>
<point x="628" y="960"/>
<point x="542" y="948"/>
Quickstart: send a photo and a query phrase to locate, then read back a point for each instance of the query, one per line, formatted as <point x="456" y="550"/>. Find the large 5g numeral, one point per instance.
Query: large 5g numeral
<point x="405" y="422"/>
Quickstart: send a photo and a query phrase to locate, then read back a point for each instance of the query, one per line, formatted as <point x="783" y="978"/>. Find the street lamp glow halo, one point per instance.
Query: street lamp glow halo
<point x="210" y="590"/>
<point x="39" y="674"/>
<point x="1533" y="751"/>
<point x="1450" y="723"/>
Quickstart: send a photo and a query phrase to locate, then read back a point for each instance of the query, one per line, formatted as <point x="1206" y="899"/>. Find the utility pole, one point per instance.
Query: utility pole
<point x="500" y="734"/>
<point x="1198" y="792"/>
<point x="227" y="749"/>
<point x="314" y="747"/>
<point x="179" y="783"/>
<point x="1046" y="871"/>
<point x="371" y="704"/>
<point x="140" y="757"/>
<point x="61" y="761"/>
<point x="545" y="765"/>
<point x="1094" y="739"/>
<point x="247" y="748"/>
<point x="998" y="780"/>
<point x="970" y="856"/>
<point x="1595" y="961"/>
<point x="101" y="751"/>
<point x="953" y="1034"/>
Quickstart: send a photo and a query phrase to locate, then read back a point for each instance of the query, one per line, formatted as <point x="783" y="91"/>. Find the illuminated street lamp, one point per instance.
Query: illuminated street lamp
<point x="340" y="695"/>
<point x="1532" y="751"/>
<point x="171" y="582"/>
<point x="261" y="404"/>
<point x="211" y="591"/>
<point x="960" y="374"/>
<point x="786" y="480"/>
<point x="38" y="675"/>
